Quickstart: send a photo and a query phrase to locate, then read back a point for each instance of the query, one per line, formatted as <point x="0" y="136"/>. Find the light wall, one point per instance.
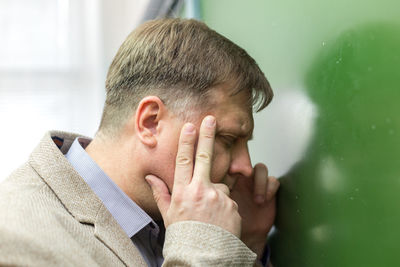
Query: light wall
<point x="54" y="56"/>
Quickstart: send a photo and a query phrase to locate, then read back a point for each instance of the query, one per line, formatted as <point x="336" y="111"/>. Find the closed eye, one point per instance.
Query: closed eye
<point x="227" y="140"/>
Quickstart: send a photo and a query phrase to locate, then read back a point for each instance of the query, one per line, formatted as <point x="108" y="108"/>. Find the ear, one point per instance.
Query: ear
<point x="148" y="115"/>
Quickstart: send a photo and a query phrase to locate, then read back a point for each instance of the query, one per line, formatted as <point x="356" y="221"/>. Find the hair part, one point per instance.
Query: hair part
<point x="180" y="61"/>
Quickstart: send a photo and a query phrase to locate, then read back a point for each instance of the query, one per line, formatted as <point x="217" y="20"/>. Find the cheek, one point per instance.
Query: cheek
<point x="221" y="163"/>
<point x="164" y="161"/>
<point x="163" y="167"/>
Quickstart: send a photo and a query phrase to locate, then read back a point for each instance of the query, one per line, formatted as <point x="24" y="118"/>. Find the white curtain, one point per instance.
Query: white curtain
<point x="54" y="56"/>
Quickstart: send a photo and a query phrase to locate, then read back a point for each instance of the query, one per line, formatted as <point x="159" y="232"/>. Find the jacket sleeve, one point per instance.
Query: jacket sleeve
<point x="190" y="243"/>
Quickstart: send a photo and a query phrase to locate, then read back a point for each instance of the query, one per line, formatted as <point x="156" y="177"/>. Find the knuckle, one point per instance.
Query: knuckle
<point x="224" y="188"/>
<point x="212" y="195"/>
<point x="203" y="156"/>
<point x="186" y="142"/>
<point x="208" y="134"/>
<point x="183" y="160"/>
<point x="235" y="206"/>
<point x="178" y="198"/>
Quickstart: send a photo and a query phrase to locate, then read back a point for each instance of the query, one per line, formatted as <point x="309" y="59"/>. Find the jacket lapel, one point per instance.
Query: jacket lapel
<point x="111" y="234"/>
<point x="78" y="198"/>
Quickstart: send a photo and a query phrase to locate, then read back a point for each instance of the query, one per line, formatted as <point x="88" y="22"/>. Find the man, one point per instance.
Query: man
<point x="171" y="151"/>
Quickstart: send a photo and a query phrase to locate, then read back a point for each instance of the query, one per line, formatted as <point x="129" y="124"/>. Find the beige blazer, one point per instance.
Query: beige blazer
<point x="50" y="217"/>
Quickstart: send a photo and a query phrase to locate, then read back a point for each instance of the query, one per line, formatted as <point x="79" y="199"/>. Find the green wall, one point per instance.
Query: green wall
<point x="332" y="133"/>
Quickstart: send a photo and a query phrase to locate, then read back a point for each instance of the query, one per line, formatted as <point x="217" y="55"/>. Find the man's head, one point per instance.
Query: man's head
<point x="166" y="73"/>
<point x="181" y="62"/>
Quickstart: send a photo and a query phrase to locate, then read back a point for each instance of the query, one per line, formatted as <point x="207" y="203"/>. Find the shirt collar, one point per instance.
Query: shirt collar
<point x="127" y="213"/>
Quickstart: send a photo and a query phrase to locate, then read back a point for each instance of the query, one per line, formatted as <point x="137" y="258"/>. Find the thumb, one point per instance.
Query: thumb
<point x="160" y="193"/>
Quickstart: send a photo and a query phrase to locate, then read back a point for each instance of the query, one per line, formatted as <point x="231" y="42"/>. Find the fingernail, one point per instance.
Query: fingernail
<point x="259" y="199"/>
<point x="189" y="128"/>
<point x="210" y="121"/>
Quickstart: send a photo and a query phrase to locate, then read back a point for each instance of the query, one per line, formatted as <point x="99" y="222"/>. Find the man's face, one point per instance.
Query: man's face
<point x="235" y="125"/>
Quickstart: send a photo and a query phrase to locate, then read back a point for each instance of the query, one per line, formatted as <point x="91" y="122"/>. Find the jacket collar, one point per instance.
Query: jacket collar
<point x="78" y="198"/>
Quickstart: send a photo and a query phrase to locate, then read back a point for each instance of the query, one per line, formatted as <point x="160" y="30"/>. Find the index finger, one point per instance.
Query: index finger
<point x="205" y="149"/>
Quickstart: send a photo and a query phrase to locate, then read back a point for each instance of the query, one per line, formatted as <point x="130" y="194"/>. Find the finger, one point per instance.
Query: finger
<point x="184" y="157"/>
<point x="205" y="150"/>
<point x="260" y="183"/>
<point x="273" y="186"/>
<point x="223" y="187"/>
<point x="160" y="193"/>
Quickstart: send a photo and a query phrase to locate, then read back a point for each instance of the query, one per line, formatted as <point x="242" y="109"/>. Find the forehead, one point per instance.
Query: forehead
<point x="233" y="112"/>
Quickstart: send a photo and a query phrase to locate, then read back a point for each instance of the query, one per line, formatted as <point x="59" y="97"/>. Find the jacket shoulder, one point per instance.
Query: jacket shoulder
<point x="35" y="228"/>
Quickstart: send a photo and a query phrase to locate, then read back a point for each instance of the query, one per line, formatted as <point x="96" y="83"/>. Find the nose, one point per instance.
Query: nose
<point x="241" y="162"/>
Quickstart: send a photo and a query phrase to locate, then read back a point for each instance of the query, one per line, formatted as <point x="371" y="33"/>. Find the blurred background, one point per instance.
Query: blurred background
<point x="330" y="134"/>
<point x="54" y="56"/>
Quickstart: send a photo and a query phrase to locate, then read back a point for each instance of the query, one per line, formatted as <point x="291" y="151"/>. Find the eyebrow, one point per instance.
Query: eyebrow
<point x="236" y="132"/>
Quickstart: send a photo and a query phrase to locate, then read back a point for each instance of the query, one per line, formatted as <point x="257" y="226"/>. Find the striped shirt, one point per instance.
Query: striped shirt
<point x="137" y="224"/>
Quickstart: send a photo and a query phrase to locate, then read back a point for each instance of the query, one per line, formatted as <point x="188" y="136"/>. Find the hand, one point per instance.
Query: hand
<point x="194" y="197"/>
<point x="256" y="200"/>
